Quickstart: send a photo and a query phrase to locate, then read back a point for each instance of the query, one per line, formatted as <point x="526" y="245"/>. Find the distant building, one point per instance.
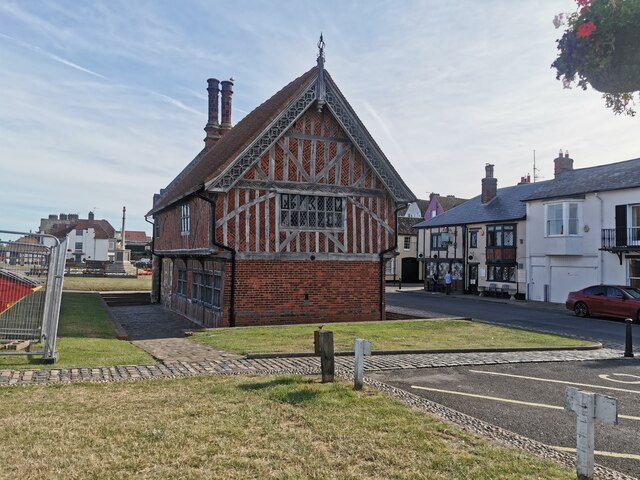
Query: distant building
<point x="135" y="240"/>
<point x="89" y="239"/>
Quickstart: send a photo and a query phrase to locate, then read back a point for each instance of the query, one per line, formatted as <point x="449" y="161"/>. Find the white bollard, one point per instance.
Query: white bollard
<point x="588" y="407"/>
<point x="360" y="348"/>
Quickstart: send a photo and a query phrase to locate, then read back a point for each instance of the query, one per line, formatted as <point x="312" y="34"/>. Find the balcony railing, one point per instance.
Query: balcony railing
<point x="621" y="238"/>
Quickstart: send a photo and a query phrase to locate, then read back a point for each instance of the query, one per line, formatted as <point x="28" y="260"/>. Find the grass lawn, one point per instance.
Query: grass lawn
<point x="388" y="335"/>
<point x="86" y="338"/>
<point x="105" y="284"/>
<point x="237" y="428"/>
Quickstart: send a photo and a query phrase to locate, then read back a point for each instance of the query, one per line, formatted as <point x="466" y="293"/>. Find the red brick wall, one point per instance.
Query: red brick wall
<point x="273" y="292"/>
<point x="170" y="236"/>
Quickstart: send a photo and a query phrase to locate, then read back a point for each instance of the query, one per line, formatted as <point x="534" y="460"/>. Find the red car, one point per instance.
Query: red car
<point x="606" y="300"/>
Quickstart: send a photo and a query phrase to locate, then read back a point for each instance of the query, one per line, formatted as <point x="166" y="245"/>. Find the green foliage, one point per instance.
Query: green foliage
<point x="587" y="46"/>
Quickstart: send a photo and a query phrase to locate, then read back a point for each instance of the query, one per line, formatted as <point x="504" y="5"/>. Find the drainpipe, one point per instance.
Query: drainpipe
<point x="399" y="207"/>
<point x="153" y="242"/>
<point x="600" y="266"/>
<point x="213" y="243"/>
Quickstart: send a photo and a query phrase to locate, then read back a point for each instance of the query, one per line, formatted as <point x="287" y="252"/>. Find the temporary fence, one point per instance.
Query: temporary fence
<point x="31" y="277"/>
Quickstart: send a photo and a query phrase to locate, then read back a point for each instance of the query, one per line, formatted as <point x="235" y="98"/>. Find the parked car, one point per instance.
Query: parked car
<point x="607" y="300"/>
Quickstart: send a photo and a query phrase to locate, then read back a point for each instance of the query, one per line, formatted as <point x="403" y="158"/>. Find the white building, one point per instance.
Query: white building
<point x="583" y="228"/>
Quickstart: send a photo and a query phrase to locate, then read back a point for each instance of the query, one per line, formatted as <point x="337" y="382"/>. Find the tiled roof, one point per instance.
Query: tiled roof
<point x="210" y="165"/>
<point x="63" y="231"/>
<point x="233" y="142"/>
<point x="406" y="224"/>
<point x="614" y="176"/>
<point x="136" y="236"/>
<point x="507" y="205"/>
<point x="448" y="202"/>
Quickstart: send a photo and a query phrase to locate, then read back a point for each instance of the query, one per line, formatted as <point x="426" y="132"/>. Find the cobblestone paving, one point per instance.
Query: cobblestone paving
<point x="304" y="365"/>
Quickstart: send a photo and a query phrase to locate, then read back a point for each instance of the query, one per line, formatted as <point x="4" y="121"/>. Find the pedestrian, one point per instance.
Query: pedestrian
<point x="447" y="282"/>
<point x="434" y="282"/>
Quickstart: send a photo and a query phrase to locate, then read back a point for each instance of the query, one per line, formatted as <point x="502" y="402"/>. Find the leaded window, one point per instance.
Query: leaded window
<point x="197" y="292"/>
<point x="501" y="235"/>
<point x="311" y="212"/>
<point x="407" y="243"/>
<point x="185" y="218"/>
<point x="182" y="282"/>
<point x="473" y="239"/>
<point x="502" y="273"/>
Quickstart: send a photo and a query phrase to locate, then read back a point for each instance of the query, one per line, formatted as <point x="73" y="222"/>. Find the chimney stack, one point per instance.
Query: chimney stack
<point x="227" y="91"/>
<point x="489" y="185"/>
<point x="212" y="128"/>
<point x="525" y="180"/>
<point x="562" y="163"/>
<point x="91" y="216"/>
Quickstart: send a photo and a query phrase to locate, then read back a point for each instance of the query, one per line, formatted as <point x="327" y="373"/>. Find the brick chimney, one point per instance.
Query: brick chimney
<point x="562" y="163"/>
<point x="212" y="128"/>
<point x="227" y="91"/>
<point x="489" y="184"/>
<point x="525" y="180"/>
<point x="91" y="216"/>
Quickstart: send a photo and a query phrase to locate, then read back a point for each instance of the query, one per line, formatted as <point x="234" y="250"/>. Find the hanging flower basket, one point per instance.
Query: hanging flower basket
<point x="601" y="47"/>
<point x="623" y="73"/>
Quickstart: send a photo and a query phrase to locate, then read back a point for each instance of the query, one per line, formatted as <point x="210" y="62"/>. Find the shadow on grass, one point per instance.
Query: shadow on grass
<point x="296" y="393"/>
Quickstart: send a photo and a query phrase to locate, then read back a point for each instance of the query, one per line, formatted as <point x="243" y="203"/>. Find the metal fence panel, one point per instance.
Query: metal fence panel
<point x="31" y="278"/>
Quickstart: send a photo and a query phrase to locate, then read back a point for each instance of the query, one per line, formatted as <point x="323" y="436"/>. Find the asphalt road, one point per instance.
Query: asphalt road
<point x="530" y="315"/>
<point x="529" y="398"/>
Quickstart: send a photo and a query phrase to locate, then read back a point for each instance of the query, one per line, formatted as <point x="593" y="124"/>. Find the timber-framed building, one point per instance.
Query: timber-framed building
<point x="287" y="217"/>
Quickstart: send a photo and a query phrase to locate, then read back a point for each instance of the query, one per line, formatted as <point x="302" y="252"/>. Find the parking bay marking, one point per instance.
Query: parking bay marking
<point x="605" y="376"/>
<point x="504" y="400"/>
<point x="557" y="381"/>
<point x="629" y="456"/>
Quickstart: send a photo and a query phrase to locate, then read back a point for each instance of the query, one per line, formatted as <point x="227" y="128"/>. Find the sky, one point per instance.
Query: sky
<point x="102" y="103"/>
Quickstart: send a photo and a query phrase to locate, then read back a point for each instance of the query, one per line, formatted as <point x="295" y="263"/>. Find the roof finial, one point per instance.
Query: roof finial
<point x="321" y="52"/>
<point x="321" y="93"/>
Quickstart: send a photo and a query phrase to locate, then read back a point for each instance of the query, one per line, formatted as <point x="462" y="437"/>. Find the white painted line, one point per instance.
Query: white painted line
<point x="629" y="456"/>
<point x="556" y="381"/>
<point x="604" y="376"/>
<point x="504" y="400"/>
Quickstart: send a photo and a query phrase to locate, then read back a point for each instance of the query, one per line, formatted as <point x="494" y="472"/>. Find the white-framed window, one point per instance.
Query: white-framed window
<point x="78" y="246"/>
<point x="311" y="212"/>
<point x="79" y="232"/>
<point x="562" y="219"/>
<point x="185" y="218"/>
<point x="407" y="243"/>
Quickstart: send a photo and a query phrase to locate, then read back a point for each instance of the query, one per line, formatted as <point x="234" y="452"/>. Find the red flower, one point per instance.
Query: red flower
<point x="586" y="29"/>
<point x="583" y="3"/>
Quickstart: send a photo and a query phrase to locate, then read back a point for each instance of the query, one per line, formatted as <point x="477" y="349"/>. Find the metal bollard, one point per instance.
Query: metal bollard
<point x="628" y="344"/>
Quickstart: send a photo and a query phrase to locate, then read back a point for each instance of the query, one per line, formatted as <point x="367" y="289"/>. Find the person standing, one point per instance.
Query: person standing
<point x="447" y="282"/>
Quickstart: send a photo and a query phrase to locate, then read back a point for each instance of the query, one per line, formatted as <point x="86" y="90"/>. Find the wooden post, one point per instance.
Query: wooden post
<point x="588" y="407"/>
<point x="360" y="348"/>
<point x="327" y="360"/>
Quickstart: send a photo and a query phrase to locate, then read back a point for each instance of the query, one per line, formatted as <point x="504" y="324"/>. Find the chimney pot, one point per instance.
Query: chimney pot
<point x="488" y="169"/>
